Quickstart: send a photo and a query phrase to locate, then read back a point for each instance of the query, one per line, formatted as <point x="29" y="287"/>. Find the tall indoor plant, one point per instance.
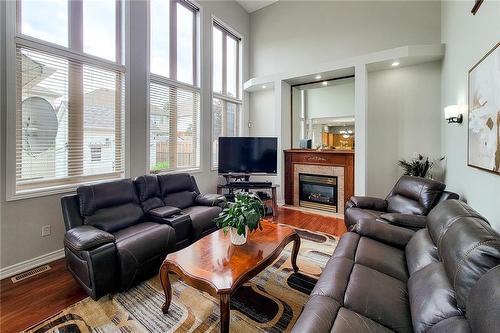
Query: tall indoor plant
<point x="419" y="166"/>
<point x="241" y="216"/>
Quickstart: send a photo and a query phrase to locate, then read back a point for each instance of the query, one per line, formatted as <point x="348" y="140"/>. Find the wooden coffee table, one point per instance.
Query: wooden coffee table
<point x="217" y="267"/>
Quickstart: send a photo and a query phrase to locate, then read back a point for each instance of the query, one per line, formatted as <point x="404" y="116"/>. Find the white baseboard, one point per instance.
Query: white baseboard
<point x="23" y="266"/>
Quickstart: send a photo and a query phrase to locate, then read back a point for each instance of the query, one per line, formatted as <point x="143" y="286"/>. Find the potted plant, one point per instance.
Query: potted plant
<point x="418" y="166"/>
<point x="241" y="216"/>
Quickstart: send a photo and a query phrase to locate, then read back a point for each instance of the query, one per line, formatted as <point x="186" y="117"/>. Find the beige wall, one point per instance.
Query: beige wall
<point x="21" y="221"/>
<point x="468" y="38"/>
<point x="404" y="117"/>
<point x="290" y="33"/>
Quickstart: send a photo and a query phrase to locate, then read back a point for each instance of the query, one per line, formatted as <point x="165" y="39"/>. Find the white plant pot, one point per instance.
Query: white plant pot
<point x="238" y="239"/>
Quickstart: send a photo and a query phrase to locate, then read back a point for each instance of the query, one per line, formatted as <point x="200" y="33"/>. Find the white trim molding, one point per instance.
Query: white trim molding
<point x="23" y="266"/>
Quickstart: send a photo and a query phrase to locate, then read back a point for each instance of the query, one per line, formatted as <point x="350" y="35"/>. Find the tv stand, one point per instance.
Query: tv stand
<point x="229" y="177"/>
<point x="242" y="182"/>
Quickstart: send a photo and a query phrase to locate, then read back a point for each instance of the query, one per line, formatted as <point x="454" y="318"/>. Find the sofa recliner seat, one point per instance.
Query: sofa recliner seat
<point x="110" y="244"/>
<point x="406" y="205"/>
<point x="384" y="278"/>
<point x="173" y="197"/>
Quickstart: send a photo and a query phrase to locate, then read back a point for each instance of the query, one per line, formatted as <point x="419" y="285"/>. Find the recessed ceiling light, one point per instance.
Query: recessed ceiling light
<point x="395" y="63"/>
<point x="324" y="83"/>
<point x="264" y="87"/>
<point x="318" y="77"/>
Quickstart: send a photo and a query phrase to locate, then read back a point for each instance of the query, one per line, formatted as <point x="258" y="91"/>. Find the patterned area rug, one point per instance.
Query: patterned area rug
<point x="270" y="302"/>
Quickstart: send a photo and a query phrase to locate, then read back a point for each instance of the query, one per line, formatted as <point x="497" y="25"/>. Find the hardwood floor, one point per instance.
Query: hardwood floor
<point x="28" y="302"/>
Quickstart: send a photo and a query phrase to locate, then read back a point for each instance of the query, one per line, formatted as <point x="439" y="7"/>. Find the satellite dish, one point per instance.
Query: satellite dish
<point x="39" y="125"/>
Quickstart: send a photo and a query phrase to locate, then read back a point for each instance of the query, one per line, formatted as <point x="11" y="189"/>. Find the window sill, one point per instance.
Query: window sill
<point x="173" y="172"/>
<point x="47" y="191"/>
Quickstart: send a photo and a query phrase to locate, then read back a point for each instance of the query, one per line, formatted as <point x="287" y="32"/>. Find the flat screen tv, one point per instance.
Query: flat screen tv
<point x="248" y="155"/>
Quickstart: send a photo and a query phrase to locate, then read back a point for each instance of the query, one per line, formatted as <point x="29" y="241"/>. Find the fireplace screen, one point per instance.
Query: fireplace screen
<point x="318" y="192"/>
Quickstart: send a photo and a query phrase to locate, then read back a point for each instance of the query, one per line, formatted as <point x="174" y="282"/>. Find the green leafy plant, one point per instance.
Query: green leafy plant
<point x="418" y="167"/>
<point x="159" y="166"/>
<point x="247" y="210"/>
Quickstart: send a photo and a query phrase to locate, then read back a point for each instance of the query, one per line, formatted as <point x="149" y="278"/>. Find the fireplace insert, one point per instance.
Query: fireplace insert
<point x="318" y="192"/>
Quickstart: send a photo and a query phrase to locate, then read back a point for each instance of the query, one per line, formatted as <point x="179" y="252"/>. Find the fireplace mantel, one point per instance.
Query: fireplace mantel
<point x="301" y="158"/>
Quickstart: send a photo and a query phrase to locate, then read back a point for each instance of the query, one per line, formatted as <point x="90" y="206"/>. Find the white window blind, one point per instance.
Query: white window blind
<point x="174" y="94"/>
<point x="174" y="127"/>
<point x="66" y="109"/>
<point x="69" y="108"/>
<point x="226" y="86"/>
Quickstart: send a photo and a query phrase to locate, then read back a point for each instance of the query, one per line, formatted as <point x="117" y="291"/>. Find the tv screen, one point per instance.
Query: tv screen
<point x="248" y="155"/>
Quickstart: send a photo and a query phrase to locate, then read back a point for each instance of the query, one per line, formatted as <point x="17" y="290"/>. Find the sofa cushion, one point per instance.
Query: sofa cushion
<point x="483" y="305"/>
<point x="347" y="245"/>
<point x="202" y="219"/>
<point x="149" y="192"/>
<point x="468" y="249"/>
<point x="446" y="214"/>
<point x="420" y="251"/>
<point x="104" y="195"/>
<point x="112" y="219"/>
<point x="432" y="297"/>
<point x="381" y="257"/>
<point x="414" y="195"/>
<point x="181" y="200"/>
<point x="339" y="270"/>
<point x="144" y="244"/>
<point x="178" y="182"/>
<point x="379" y="297"/>
<point x="110" y="206"/>
<point x="452" y="325"/>
<point x="354" y="214"/>
<point x="348" y="321"/>
<point x="318" y="315"/>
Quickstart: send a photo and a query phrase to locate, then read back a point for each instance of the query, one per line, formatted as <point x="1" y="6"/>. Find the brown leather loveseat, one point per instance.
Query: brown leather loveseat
<point x="119" y="232"/>
<point x="384" y="278"/>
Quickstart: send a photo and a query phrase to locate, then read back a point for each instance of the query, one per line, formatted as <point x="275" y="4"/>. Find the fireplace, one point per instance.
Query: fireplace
<point x="318" y="192"/>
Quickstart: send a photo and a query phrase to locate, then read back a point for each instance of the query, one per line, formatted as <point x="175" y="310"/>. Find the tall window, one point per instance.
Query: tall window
<point x="174" y="110"/>
<point x="226" y="83"/>
<point x="69" y="93"/>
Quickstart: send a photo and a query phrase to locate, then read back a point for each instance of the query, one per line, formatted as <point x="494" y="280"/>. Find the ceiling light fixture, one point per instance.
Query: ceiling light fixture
<point x="395" y="64"/>
<point x="324" y="83"/>
<point x="318" y="77"/>
<point x="264" y="87"/>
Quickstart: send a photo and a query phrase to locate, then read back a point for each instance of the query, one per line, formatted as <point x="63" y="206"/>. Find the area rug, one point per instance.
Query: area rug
<point x="270" y="302"/>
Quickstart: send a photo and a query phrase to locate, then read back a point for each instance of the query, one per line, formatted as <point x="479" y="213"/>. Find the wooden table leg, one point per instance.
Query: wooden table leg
<point x="295" y="252"/>
<point x="224" y="313"/>
<point x="275" y="205"/>
<point x="167" y="288"/>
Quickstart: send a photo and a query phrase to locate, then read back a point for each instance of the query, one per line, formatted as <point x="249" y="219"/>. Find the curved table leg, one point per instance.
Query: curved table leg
<point x="224" y="313"/>
<point x="295" y="252"/>
<point x="167" y="288"/>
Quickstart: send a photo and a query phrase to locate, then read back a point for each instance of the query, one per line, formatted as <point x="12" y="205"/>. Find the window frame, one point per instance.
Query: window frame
<point x="172" y="82"/>
<point x="14" y="40"/>
<point x="224" y="97"/>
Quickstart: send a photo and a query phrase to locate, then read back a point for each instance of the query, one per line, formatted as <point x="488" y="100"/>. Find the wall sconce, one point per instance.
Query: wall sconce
<point x="454" y="114"/>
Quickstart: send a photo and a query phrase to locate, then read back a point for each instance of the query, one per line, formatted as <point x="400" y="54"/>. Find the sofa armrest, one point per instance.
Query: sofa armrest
<point x="406" y="220"/>
<point x="164" y="211"/>
<point x="383" y="232"/>
<point x="367" y="203"/>
<point x="86" y="237"/>
<point x="209" y="199"/>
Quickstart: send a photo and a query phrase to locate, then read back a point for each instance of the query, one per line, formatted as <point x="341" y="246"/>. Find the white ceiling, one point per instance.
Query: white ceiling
<point x="253" y="5"/>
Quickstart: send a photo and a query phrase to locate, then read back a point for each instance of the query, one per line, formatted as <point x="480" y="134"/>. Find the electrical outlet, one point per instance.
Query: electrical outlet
<point x="46" y="230"/>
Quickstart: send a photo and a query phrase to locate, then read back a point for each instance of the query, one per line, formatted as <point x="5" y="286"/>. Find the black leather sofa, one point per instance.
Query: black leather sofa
<point x="384" y="278"/>
<point x="407" y="204"/>
<point x="119" y="232"/>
